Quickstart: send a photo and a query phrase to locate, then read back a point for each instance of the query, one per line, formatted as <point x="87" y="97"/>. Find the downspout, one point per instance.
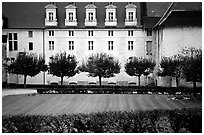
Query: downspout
<point x="43" y="55"/>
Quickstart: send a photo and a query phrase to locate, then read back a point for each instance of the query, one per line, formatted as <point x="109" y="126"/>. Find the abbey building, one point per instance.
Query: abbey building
<point x="121" y="29"/>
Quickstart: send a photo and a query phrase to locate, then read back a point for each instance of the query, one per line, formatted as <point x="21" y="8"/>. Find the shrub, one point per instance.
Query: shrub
<point x="185" y="120"/>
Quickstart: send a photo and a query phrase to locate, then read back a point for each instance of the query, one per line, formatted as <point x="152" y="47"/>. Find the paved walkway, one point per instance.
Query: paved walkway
<point x="6" y="92"/>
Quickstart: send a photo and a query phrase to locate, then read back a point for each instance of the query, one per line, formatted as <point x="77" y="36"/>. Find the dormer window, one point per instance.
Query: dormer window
<point x="51" y="15"/>
<point x="70" y="19"/>
<point x="111" y="19"/>
<point x="131" y="19"/>
<point x="90" y="19"/>
<point x="130" y="16"/>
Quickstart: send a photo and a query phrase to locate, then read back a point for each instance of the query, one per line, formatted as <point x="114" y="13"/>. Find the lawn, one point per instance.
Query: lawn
<point x="88" y="103"/>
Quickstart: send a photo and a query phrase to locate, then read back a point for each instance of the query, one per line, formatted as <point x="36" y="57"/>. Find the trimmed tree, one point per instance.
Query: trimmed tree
<point x="101" y="65"/>
<point x="192" y="65"/>
<point x="171" y="66"/>
<point x="63" y="65"/>
<point x="27" y="64"/>
<point x="137" y="66"/>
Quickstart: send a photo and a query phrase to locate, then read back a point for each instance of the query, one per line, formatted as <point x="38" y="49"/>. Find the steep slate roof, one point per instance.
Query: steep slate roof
<point x="156" y="9"/>
<point x="32" y="14"/>
<point x="182" y="13"/>
<point x="154" y="12"/>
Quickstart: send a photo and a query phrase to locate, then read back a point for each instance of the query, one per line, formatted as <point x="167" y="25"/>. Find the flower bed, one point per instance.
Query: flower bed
<point x="155" y="121"/>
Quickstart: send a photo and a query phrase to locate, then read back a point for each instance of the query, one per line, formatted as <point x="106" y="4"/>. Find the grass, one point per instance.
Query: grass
<point x="88" y="103"/>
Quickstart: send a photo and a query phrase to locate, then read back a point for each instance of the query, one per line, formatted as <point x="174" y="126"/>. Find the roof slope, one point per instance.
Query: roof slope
<point x="32" y="14"/>
<point x="178" y="7"/>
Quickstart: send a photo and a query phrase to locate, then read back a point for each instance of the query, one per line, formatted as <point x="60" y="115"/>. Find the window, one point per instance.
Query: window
<point x="71" y="45"/>
<point x="71" y="17"/>
<point x="51" y="33"/>
<point x="30" y="34"/>
<point x="90" y="33"/>
<point x="130" y="16"/>
<point x="110" y="16"/>
<point x="110" y="33"/>
<point x="90" y="16"/>
<point x="71" y="33"/>
<point x="130" y="33"/>
<point x="149" y="32"/>
<point x="90" y="47"/>
<point x="51" y="45"/>
<point x="30" y="47"/>
<point x="50" y="16"/>
<point x="110" y="45"/>
<point x="149" y="47"/>
<point x="12" y="59"/>
<point x="13" y="41"/>
<point x="130" y="45"/>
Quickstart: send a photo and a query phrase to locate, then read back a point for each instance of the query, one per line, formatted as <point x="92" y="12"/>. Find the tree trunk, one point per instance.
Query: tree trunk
<point x="100" y="83"/>
<point x="61" y="80"/>
<point x="170" y="81"/>
<point x="177" y="82"/>
<point x="25" y="81"/>
<point x="194" y="88"/>
<point x="139" y="80"/>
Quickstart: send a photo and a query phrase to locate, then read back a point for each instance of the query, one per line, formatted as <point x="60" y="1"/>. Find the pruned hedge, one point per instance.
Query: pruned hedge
<point x="85" y="89"/>
<point x="155" y="121"/>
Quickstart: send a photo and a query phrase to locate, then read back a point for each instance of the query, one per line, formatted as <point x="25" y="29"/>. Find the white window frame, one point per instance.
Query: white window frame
<point x="90" y="16"/>
<point x="51" y="33"/>
<point x="110" y="33"/>
<point x="12" y="41"/>
<point x="70" y="16"/>
<point x="51" y="45"/>
<point x="148" y="48"/>
<point x="50" y="16"/>
<point x="130" y="45"/>
<point x="30" y="34"/>
<point x="71" y="45"/>
<point x="130" y="33"/>
<point x="90" y="45"/>
<point x="110" y="45"/>
<point x="130" y="16"/>
<point x="30" y="43"/>
<point x="71" y="33"/>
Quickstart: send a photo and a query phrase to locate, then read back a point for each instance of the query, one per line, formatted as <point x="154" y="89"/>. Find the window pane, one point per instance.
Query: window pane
<point x="15" y="36"/>
<point x="70" y="16"/>
<point x="30" y="33"/>
<point x="51" y="16"/>
<point x="30" y="46"/>
<point x="149" y="47"/>
<point x="10" y="36"/>
<point x="15" y="45"/>
<point x="10" y="46"/>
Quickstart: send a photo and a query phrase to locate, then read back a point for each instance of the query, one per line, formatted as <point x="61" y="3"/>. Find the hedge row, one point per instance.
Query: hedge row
<point x="80" y="89"/>
<point x="155" y="121"/>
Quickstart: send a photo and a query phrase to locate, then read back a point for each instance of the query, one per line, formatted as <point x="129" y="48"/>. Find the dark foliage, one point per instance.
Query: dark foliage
<point x="138" y="66"/>
<point x="27" y="64"/>
<point x="171" y="66"/>
<point x="63" y="65"/>
<point x="192" y="65"/>
<point x="101" y="65"/>
<point x="156" y="121"/>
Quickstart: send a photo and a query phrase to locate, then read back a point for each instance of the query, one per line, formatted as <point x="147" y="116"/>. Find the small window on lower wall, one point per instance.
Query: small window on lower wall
<point x="130" y="45"/>
<point x="30" y="46"/>
<point x="148" y="47"/>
